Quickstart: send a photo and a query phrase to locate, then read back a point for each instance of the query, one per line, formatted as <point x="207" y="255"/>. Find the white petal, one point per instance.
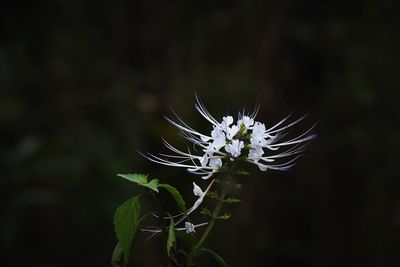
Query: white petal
<point x="215" y="163"/>
<point x="232" y="131"/>
<point x="228" y="120"/>
<point x="247" y="121"/>
<point x="205" y="138"/>
<point x="208" y="176"/>
<point x="234" y="148"/>
<point x="204" y="160"/>
<point x="257" y="139"/>
<point x="258" y="128"/>
<point x="262" y="167"/>
<point x="189" y="227"/>
<point x="219" y="138"/>
<point x="256" y="153"/>
<point x="197" y="190"/>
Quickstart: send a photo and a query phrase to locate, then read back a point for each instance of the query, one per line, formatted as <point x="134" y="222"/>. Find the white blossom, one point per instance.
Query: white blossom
<point x="218" y="137"/>
<point x="197" y="190"/>
<point x="247" y="121"/>
<point x="199" y="193"/>
<point x="234" y="149"/>
<point x="215" y="162"/>
<point x="189" y="227"/>
<point x="256" y="152"/>
<point x="228" y="141"/>
<point x="226" y="121"/>
<point x="231" y="132"/>
<point x="265" y="147"/>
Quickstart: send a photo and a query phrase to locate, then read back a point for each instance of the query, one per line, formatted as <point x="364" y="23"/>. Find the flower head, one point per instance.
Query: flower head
<point x="189" y="227"/>
<point x="244" y="140"/>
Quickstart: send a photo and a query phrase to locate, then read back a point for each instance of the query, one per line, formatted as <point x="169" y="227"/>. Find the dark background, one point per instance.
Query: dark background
<point x="86" y="83"/>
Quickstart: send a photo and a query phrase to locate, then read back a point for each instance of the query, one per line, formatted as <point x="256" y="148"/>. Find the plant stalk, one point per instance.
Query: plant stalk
<point x="163" y="227"/>
<point x="216" y="210"/>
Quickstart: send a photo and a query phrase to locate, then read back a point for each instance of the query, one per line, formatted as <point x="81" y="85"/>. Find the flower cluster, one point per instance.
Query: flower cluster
<point x="244" y="139"/>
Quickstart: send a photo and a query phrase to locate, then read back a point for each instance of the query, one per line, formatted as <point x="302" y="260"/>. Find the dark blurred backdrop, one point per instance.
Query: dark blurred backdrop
<point x="86" y="83"/>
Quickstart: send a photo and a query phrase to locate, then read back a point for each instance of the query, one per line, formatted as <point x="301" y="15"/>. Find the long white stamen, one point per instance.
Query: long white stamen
<point x="204" y="112"/>
<point x="159" y="160"/>
<point x="284" y="127"/>
<point x="183" y="128"/>
<point x="292" y="142"/>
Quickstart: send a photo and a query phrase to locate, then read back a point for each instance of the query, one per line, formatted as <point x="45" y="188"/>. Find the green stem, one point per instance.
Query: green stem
<point x="205" y="234"/>
<point x="163" y="227"/>
<point x="216" y="210"/>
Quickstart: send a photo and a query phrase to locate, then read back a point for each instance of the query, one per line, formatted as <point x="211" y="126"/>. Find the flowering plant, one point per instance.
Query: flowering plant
<point x="224" y="154"/>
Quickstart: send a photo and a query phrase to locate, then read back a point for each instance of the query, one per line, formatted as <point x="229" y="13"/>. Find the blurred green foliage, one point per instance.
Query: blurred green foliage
<point x="83" y="84"/>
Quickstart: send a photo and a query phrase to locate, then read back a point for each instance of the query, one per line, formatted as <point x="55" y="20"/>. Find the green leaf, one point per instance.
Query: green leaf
<point x="117" y="259"/>
<point x="219" y="259"/>
<point x="153" y="185"/>
<point x="141" y="179"/>
<point x="171" y="241"/>
<point x="126" y="225"/>
<point x="175" y="194"/>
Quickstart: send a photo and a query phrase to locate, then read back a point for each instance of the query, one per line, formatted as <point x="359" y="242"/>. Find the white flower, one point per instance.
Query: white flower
<point x="226" y="121"/>
<point x="204" y="160"/>
<point x="218" y="137"/>
<point x="247" y="121"/>
<point x="256" y="152"/>
<point x="232" y="131"/>
<point x="197" y="190"/>
<point x="258" y="140"/>
<point x="246" y="140"/>
<point x="189" y="227"/>
<point x="266" y="148"/>
<point x="270" y="139"/>
<point x="216" y="163"/>
<point x="258" y="128"/>
<point x="199" y="193"/>
<point x="234" y="148"/>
